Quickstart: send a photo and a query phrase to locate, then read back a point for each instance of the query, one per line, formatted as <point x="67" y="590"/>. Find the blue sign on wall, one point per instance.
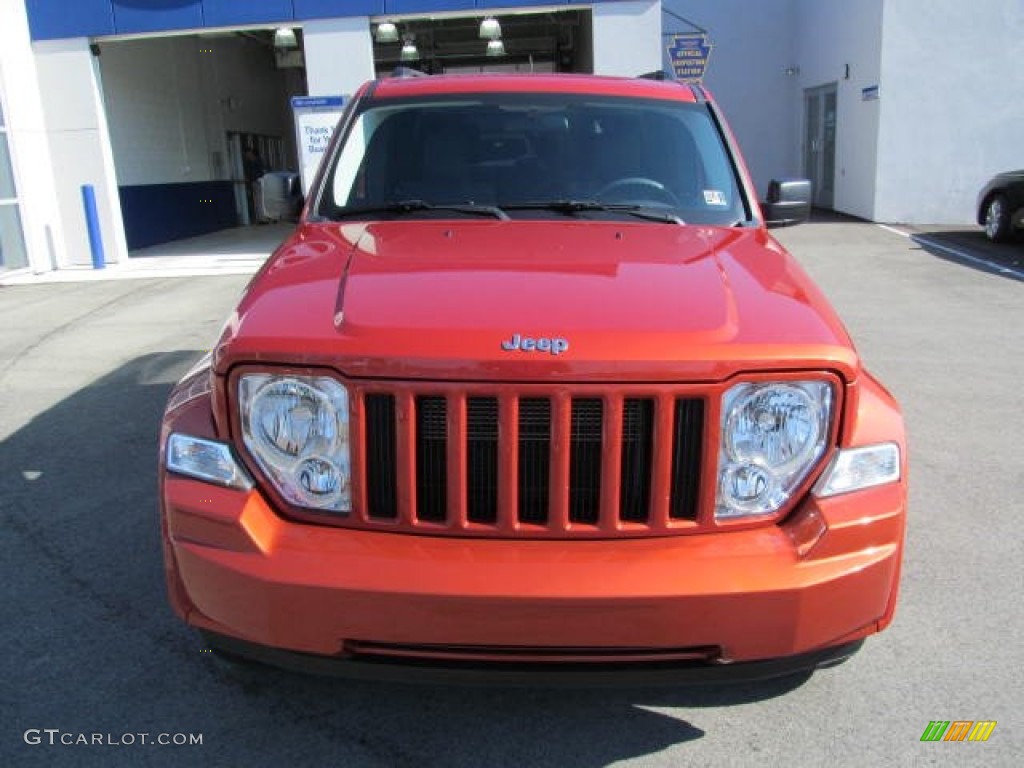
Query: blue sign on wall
<point x="689" y="52"/>
<point x="306" y="102"/>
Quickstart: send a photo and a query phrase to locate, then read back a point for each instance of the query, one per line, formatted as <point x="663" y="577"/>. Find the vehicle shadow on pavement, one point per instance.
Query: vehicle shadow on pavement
<point x="464" y="725"/>
<point x="92" y="645"/>
<point x="970" y="248"/>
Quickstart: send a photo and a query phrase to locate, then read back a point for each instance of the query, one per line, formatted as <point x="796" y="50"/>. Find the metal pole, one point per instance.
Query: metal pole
<point x="92" y="223"/>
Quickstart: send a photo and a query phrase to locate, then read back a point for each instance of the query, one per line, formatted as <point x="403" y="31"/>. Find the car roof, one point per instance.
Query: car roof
<point x="403" y="87"/>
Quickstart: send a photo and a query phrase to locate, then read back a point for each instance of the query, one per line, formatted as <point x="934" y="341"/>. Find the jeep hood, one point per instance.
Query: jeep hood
<point x="596" y="300"/>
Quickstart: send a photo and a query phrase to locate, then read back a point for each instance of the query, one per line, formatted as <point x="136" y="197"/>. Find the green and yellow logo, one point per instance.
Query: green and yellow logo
<point x="958" y="730"/>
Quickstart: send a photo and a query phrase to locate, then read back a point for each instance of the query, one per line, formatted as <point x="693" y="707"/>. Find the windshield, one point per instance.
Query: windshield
<point x="534" y="155"/>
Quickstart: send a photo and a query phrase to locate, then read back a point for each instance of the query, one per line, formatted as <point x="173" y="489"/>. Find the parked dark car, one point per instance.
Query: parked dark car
<point x="1001" y="206"/>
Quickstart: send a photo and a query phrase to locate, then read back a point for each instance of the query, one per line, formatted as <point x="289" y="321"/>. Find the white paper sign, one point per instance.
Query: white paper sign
<point x="315" y="120"/>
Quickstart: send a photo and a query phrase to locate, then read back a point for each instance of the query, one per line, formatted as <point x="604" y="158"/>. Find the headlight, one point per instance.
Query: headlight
<point x="296" y="427"/>
<point x="772" y="435"/>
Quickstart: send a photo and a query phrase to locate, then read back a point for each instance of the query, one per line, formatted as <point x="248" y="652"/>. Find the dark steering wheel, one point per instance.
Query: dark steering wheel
<point x="640" y="183"/>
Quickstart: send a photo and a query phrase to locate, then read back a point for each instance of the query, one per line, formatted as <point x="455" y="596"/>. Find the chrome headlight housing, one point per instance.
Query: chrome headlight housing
<point x="772" y="435"/>
<point x="297" y="429"/>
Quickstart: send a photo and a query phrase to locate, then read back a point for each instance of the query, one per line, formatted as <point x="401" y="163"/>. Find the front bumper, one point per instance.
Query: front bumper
<point x="532" y="674"/>
<point x="239" y="571"/>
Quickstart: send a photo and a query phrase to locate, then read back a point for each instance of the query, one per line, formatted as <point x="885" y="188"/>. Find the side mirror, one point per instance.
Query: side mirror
<point x="788" y="202"/>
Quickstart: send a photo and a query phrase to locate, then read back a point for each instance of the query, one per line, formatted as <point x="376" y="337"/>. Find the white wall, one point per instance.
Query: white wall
<point x="155" y="109"/>
<point x="171" y="100"/>
<point x="952" y="105"/>
<point x="79" y="145"/>
<point x="27" y="142"/>
<point x="754" y="44"/>
<point x="832" y="34"/>
<point x="247" y="92"/>
<point x="626" y="37"/>
<point x="339" y="55"/>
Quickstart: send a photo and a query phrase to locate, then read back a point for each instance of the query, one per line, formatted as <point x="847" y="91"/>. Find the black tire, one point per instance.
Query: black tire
<point x="997" y="219"/>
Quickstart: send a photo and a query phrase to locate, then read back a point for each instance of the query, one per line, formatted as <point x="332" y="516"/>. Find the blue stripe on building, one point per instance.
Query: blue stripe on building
<point x="53" y="20"/>
<point x="133" y="16"/>
<point x="57" y="19"/>
<point x="160" y="213"/>
<point x="233" y="13"/>
<point x="327" y="9"/>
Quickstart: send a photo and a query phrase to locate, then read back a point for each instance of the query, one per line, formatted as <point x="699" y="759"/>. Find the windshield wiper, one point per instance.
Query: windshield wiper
<point x="413" y="206"/>
<point x="578" y="206"/>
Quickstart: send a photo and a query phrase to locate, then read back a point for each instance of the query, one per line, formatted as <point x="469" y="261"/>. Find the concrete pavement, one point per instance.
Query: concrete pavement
<point x="91" y="647"/>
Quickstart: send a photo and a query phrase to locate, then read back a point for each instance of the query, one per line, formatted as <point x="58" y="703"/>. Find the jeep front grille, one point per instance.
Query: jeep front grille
<point x="523" y="463"/>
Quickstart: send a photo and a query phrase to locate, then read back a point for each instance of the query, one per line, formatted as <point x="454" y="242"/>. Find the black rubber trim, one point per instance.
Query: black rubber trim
<point x="750" y="197"/>
<point x="536" y="674"/>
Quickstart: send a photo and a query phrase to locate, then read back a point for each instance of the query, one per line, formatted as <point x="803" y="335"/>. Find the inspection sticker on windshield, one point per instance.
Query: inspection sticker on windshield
<point x="714" y="197"/>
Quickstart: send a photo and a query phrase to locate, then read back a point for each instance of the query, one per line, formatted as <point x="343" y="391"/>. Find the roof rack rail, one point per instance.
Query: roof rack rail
<point x="698" y="92"/>
<point x="408" y="72"/>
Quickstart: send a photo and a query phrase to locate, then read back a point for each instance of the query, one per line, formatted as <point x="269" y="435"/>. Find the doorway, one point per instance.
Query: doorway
<point x="249" y="156"/>
<point x="182" y="110"/>
<point x="820" y="143"/>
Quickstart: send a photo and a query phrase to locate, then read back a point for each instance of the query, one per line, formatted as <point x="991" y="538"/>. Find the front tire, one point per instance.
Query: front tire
<point x="997" y="219"/>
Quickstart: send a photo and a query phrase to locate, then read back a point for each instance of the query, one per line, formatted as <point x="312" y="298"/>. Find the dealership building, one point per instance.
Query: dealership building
<point x="130" y="123"/>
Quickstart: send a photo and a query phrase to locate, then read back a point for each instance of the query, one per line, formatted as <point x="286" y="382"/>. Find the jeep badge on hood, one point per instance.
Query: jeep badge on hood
<point x="554" y="346"/>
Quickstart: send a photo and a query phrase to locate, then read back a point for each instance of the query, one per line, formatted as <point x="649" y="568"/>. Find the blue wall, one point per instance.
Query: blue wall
<point x="160" y="213"/>
<point x="55" y="19"/>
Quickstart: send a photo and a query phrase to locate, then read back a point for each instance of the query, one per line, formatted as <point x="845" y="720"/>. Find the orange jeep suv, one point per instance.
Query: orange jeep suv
<point x="531" y="391"/>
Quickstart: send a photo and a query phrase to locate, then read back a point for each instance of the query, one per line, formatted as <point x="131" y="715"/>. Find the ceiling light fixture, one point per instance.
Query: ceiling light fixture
<point x="490" y="28"/>
<point x="386" y="32"/>
<point x="284" y="37"/>
<point x="495" y="48"/>
<point x="409" y="50"/>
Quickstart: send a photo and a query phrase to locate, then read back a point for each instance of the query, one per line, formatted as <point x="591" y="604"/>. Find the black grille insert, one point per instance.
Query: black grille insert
<point x="482" y="459"/>
<point x="431" y="458"/>
<point x="637" y="457"/>
<point x="534" y="459"/>
<point x="381" y="457"/>
<point x="585" y="448"/>
<point x="539" y="453"/>
<point x="687" y="447"/>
